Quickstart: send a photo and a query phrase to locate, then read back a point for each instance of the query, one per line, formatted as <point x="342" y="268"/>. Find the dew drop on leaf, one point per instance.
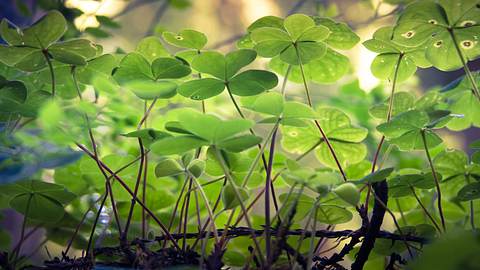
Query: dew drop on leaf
<point x="432" y="21"/>
<point x="178" y="37"/>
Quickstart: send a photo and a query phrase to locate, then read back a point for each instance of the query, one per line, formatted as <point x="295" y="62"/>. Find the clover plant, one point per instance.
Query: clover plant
<point x="109" y="155"/>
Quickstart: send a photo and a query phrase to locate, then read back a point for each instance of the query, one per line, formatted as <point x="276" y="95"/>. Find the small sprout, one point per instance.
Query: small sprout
<point x="432" y="21"/>
<point x="468" y="23"/>
<point x="409" y="34"/>
<point x="467" y="44"/>
<point x="438" y="43"/>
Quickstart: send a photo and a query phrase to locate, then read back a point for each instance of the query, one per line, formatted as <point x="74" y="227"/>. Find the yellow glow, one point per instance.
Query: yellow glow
<point x="92" y="8"/>
<point x="254" y="9"/>
<point x="365" y="77"/>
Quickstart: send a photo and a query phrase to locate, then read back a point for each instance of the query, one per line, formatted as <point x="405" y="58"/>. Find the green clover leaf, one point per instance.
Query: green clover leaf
<point x="299" y="35"/>
<point x="41" y="201"/>
<point x="449" y="31"/>
<point x="148" y="81"/>
<point x="405" y="130"/>
<point x="285" y="112"/>
<point x="462" y="101"/>
<point x="344" y="138"/>
<point x="224" y="69"/>
<point x="390" y="54"/>
<point x="12" y="95"/>
<point x="203" y="129"/>
<point x="186" y="38"/>
<point x="29" y="49"/>
<point x="317" y="60"/>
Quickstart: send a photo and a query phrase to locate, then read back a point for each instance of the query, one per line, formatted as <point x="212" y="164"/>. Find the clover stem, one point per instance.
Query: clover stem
<point x="302" y="235"/>
<point x="320" y="129"/>
<point x="232" y="98"/>
<point x="285" y="80"/>
<point x="312" y="239"/>
<point x="260" y="193"/>
<point x="70" y="242"/>
<point x="468" y="73"/>
<point x="217" y="202"/>
<point x="207" y="205"/>
<point x="268" y="183"/>
<point x="472" y="210"/>
<point x="437" y="183"/>
<point x="94" y="146"/>
<point x="144" y="184"/>
<point x="175" y="209"/>
<point x="142" y="169"/>
<point x="50" y="68"/>
<point x="389" y="116"/>
<point x="135" y="191"/>
<point x="167" y="233"/>
<point x="22" y="232"/>
<point x="239" y="199"/>
<point x="95" y="222"/>
<point x="77" y="228"/>
<point x="185" y="216"/>
<point x="425" y="210"/>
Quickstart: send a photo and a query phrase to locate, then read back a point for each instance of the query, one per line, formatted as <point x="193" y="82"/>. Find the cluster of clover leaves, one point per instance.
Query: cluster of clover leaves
<point x="157" y="164"/>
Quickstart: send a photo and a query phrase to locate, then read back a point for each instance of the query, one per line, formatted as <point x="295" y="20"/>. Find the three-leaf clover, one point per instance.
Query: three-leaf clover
<point x="224" y="69"/>
<point x="456" y="169"/>
<point x="298" y="41"/>
<point x="146" y="74"/>
<point x="344" y="138"/>
<point x="38" y="200"/>
<point x="390" y="55"/>
<point x="462" y="101"/>
<point x="405" y="130"/>
<point x="448" y="27"/>
<point x="285" y="112"/>
<point x="402" y="184"/>
<point x="316" y="46"/>
<point x="30" y="49"/>
<point x="203" y="129"/>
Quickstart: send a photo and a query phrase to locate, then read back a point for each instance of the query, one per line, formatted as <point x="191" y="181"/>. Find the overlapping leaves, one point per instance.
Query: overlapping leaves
<point x="405" y="130"/>
<point x="390" y="55"/>
<point x="28" y="49"/>
<point x="315" y="46"/>
<point x="447" y="27"/>
<point x="344" y="138"/>
<point x="289" y="113"/>
<point x="200" y="130"/>
<point x="146" y="72"/>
